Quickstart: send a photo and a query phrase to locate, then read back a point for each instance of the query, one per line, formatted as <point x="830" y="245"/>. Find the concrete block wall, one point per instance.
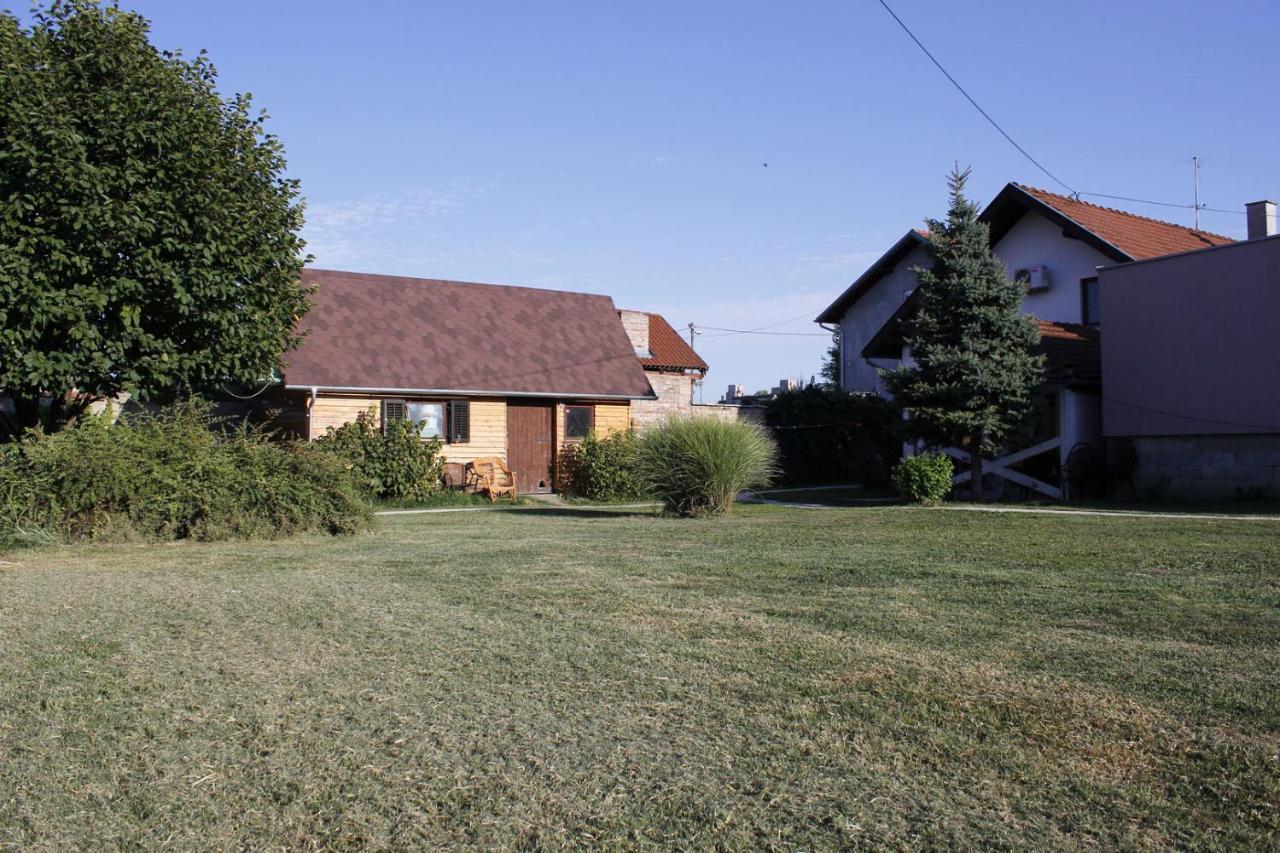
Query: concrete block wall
<point x="1207" y="466"/>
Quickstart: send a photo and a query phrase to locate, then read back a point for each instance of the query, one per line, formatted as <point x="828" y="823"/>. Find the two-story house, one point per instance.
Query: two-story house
<point x="1056" y="245"/>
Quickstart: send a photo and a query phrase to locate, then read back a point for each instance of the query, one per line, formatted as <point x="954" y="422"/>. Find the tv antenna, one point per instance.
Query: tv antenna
<point x="1195" y="167"/>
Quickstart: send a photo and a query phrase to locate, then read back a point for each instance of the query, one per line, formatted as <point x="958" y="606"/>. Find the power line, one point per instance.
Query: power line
<point x="1022" y="150"/>
<point x="1160" y="203"/>
<point x="970" y="99"/>
<point x="760" y="329"/>
<point x="755" y="332"/>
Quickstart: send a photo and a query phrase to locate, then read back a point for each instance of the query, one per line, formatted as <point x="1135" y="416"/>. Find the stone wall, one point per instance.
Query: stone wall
<point x="1207" y="466"/>
<point x="675" y="399"/>
<point x="637" y="325"/>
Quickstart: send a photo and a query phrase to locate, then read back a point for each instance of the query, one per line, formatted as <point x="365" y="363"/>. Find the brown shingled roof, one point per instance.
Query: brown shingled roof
<point x="670" y="351"/>
<point x="390" y="333"/>
<point x="1137" y="236"/>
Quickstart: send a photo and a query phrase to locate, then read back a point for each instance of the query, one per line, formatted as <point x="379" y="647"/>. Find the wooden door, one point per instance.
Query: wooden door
<point x="529" y="444"/>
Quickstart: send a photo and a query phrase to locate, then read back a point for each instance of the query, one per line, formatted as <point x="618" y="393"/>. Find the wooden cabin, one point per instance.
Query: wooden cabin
<point x="492" y="370"/>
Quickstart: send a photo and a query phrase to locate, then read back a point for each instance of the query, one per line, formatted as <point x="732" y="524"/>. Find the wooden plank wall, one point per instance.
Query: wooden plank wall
<point x="488" y="424"/>
<point x="488" y="433"/>
<point x="335" y="411"/>
<point x="610" y="417"/>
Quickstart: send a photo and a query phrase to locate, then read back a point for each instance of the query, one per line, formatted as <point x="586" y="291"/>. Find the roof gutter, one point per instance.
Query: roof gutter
<point x="463" y="392"/>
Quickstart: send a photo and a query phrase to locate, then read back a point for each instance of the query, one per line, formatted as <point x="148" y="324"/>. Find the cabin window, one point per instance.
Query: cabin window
<point x="429" y="417"/>
<point x="448" y="421"/>
<point x="1090" y="308"/>
<point x="578" y="421"/>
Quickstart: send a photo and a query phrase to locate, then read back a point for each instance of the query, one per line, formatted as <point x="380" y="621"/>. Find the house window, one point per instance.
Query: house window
<point x="1090" y="308"/>
<point x="428" y="416"/>
<point x="578" y="421"/>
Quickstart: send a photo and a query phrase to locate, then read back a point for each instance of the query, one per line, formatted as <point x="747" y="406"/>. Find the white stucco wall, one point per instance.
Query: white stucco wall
<point x="1037" y="241"/>
<point x="871" y="312"/>
<point x="1033" y="241"/>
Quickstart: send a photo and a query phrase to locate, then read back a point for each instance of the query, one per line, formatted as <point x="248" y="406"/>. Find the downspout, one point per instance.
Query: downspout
<point x="310" y="412"/>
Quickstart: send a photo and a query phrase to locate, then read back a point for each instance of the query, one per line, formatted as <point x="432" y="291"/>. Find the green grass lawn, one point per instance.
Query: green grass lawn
<point x="830" y="495"/>
<point x="780" y="678"/>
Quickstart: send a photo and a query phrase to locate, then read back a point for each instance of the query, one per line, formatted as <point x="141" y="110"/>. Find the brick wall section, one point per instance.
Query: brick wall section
<point x="637" y="325"/>
<point x="729" y="412"/>
<point x="1206" y="466"/>
<point x="675" y="399"/>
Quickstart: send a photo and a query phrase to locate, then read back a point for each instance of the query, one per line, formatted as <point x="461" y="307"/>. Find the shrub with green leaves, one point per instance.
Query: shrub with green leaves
<point x="924" y="478"/>
<point x="697" y="466"/>
<point x="391" y="464"/>
<point x="826" y="435"/>
<point x="602" y="469"/>
<point x="171" y="475"/>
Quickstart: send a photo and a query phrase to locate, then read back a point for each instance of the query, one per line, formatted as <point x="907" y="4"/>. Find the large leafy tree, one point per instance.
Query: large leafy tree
<point x="148" y="237"/>
<point x="975" y="369"/>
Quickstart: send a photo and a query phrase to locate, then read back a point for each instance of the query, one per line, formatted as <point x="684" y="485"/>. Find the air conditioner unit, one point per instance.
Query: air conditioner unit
<point x="1035" y="278"/>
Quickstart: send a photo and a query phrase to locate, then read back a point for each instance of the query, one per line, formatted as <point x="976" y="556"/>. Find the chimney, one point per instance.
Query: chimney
<point x="1262" y="219"/>
<point x="637" y="325"/>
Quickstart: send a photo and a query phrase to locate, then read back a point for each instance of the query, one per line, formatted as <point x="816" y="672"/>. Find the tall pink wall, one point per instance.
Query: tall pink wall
<point x="1191" y="343"/>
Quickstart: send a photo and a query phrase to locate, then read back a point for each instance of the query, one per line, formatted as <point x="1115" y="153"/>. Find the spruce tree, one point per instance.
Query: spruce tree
<point x="975" y="370"/>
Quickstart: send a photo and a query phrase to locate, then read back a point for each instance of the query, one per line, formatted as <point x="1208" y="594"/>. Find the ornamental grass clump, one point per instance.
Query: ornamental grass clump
<point x="697" y="466"/>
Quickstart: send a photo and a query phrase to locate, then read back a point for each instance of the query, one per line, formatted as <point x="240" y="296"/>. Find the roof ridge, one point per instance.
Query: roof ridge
<point x="1129" y="213"/>
<point x="383" y="277"/>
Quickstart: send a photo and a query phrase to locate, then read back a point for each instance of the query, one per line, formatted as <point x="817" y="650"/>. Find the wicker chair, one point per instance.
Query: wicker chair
<point x="490" y="474"/>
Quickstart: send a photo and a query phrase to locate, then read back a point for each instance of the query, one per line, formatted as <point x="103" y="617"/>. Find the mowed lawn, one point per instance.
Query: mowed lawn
<point x="779" y="678"/>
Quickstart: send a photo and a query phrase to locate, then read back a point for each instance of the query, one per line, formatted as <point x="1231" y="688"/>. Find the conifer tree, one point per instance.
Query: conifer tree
<point x="975" y="369"/>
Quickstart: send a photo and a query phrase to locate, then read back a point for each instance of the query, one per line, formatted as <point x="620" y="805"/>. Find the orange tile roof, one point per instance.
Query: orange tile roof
<point x="1137" y="236"/>
<point x="669" y="351"/>
<point x="1073" y="354"/>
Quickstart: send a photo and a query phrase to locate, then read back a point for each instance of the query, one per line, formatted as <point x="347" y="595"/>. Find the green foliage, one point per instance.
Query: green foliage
<point x="170" y="476"/>
<point x="826" y="435"/>
<point x="601" y="468"/>
<point x="148" y="237"/>
<point x="830" y="371"/>
<point x="924" y="478"/>
<point x="975" y="372"/>
<point x="395" y="464"/>
<point x="697" y="466"/>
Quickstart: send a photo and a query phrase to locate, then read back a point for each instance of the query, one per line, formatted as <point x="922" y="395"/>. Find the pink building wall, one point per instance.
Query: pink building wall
<point x="1191" y="343"/>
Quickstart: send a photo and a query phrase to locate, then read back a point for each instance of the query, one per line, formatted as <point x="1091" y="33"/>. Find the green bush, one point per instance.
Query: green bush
<point x="396" y="464"/>
<point x="697" y="466"/>
<point x="171" y="475"/>
<point x="602" y="469"/>
<point x="826" y="435"/>
<point x="924" y="478"/>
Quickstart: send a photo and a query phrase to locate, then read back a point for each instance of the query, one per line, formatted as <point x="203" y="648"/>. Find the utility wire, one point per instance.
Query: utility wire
<point x="1161" y="203"/>
<point x="1022" y="150"/>
<point x="755" y="332"/>
<point x="758" y="329"/>
<point x="970" y="99"/>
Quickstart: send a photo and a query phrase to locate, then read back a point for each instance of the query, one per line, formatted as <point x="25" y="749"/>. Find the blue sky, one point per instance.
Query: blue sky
<point x="619" y="148"/>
